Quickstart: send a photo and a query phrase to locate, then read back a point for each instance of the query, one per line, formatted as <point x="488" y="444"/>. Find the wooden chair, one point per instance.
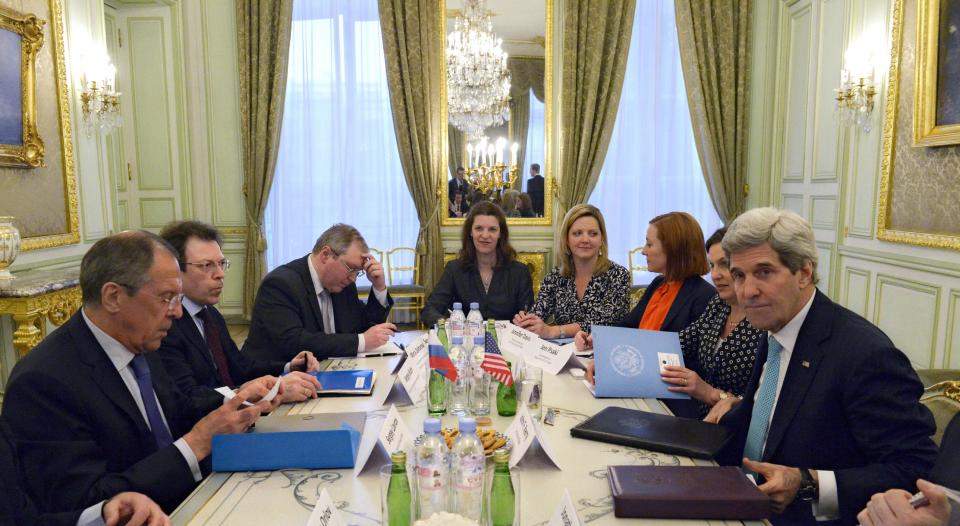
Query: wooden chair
<point x="636" y="291"/>
<point x="409" y="295"/>
<point x="943" y="400"/>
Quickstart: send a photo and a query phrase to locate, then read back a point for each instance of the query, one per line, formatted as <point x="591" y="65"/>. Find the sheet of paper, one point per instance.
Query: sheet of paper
<point x="229" y="394"/>
<point x="523" y="432"/>
<point x="566" y="514"/>
<point x="392" y="435"/>
<point x="387" y="349"/>
<point x="325" y="512"/>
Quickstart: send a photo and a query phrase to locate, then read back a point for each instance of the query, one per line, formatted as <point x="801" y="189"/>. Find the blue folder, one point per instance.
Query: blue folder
<point x="355" y="382"/>
<point x="287" y="442"/>
<point x="627" y="363"/>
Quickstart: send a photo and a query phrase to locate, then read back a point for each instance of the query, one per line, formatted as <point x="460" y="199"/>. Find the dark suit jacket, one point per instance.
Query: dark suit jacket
<point x="453" y="185"/>
<point x="535" y="190"/>
<point x="511" y="290"/>
<point x="79" y="429"/>
<point x="691" y="301"/>
<point x="286" y="317"/>
<point x="16" y="508"/>
<point x="190" y="364"/>
<point x="849" y="403"/>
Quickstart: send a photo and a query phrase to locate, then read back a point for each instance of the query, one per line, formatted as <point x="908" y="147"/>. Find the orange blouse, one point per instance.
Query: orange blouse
<point x="659" y="305"/>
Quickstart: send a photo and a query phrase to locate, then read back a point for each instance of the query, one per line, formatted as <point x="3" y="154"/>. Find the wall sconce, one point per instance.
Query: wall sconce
<point x="100" y="102"/>
<point x="858" y="90"/>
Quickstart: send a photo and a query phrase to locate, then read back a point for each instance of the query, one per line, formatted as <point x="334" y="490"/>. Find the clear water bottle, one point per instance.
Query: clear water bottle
<point x="456" y="322"/>
<point x="457" y="402"/>
<point x="474" y="325"/>
<point x="431" y="462"/>
<point x="468" y="463"/>
<point x="479" y="380"/>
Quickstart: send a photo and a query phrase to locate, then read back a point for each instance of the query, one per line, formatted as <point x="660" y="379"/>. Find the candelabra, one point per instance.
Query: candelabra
<point x="99" y="101"/>
<point x="486" y="169"/>
<point x="855" y="102"/>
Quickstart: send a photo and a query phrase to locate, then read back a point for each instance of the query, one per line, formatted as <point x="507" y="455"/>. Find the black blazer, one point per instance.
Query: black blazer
<point x="286" y="317"/>
<point x="849" y="403"/>
<point x="691" y="301"/>
<point x="535" y="190"/>
<point x="454" y="185"/>
<point x="79" y="429"/>
<point x="16" y="508"/>
<point x="511" y="290"/>
<point x="190" y="364"/>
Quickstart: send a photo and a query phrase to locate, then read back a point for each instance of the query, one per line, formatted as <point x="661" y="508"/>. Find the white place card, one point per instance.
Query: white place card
<point x="229" y="394"/>
<point x="411" y="380"/>
<point x="566" y="514"/>
<point x="392" y="435"/>
<point x="517" y="340"/>
<point x="325" y="512"/>
<point x="523" y="432"/>
<point x="544" y="354"/>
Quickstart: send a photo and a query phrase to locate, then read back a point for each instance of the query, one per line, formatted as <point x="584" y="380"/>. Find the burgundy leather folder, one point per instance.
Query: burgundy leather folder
<point x="685" y="492"/>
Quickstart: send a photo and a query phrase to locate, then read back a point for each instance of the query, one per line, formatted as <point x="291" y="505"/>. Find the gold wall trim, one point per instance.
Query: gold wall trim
<point x="925" y="129"/>
<point x="72" y="235"/>
<point x="30" y="153"/>
<point x="549" y="182"/>
<point x="30" y="313"/>
<point x="884" y="232"/>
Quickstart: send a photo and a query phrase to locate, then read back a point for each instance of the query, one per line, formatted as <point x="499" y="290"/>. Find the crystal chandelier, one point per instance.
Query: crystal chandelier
<point x="478" y="81"/>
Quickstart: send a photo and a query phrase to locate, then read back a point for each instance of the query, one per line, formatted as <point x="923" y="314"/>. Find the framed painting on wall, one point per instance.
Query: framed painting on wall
<point x="918" y="190"/>
<point x="937" y="97"/>
<point x="21" y="37"/>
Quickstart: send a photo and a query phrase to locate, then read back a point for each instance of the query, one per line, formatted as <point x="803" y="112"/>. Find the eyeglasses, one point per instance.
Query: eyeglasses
<point x="172" y="300"/>
<point x="355" y="272"/>
<point x="207" y="267"/>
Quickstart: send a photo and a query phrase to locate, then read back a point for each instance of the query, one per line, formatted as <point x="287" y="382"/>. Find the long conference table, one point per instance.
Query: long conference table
<point x="287" y="496"/>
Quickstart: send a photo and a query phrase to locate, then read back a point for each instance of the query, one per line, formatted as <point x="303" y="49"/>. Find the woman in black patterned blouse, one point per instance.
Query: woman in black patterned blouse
<point x="586" y="289"/>
<point x="720" y="347"/>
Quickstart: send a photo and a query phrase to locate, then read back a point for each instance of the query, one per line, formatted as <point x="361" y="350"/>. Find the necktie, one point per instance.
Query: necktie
<point x="763" y="407"/>
<point x="160" y="432"/>
<point x="326" y="310"/>
<point x="212" y="336"/>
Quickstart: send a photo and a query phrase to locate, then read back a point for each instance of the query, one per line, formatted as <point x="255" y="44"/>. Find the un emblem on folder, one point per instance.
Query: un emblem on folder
<point x="626" y="360"/>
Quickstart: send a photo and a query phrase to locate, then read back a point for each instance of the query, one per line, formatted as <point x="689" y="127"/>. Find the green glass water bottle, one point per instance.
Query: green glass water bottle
<point x="399" y="498"/>
<point x="502" y="495"/>
<point x="437" y="385"/>
<point x="507" y="398"/>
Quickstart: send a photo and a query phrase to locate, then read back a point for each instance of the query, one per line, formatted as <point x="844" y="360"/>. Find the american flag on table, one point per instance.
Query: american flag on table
<point x="439" y="359"/>
<point x="494" y="362"/>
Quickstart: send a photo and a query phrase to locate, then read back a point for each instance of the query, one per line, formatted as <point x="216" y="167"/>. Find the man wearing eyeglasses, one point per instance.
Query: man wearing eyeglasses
<point x="92" y="408"/>
<point x="198" y="352"/>
<point x="311" y="303"/>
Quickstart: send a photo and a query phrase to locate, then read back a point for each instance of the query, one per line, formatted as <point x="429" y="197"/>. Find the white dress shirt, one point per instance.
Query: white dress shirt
<point x="326" y="304"/>
<point x="827" y="506"/>
<point x="121" y="358"/>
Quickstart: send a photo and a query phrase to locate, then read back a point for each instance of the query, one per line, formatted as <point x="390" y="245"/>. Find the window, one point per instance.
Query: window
<point x="534" y="148"/>
<point x="652" y="165"/>
<point x="338" y="160"/>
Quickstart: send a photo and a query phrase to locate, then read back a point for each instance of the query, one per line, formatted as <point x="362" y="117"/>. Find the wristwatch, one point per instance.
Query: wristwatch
<point x="809" y="489"/>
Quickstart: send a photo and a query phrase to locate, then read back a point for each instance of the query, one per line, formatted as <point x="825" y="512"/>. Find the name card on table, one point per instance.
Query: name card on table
<point x="523" y="432"/>
<point x="325" y="512"/>
<point x="380" y="441"/>
<point x="566" y="514"/>
<point x="547" y="355"/>
<point x="410" y="382"/>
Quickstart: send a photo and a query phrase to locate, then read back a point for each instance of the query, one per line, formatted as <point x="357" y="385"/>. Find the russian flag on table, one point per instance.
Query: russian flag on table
<point x="439" y="359"/>
<point x="494" y="362"/>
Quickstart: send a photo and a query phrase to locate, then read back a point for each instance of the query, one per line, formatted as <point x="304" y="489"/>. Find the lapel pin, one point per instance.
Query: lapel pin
<point x="805" y="364"/>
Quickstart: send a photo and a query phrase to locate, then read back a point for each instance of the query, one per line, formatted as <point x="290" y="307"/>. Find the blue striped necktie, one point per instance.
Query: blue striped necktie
<point x="763" y="407"/>
<point x="142" y="371"/>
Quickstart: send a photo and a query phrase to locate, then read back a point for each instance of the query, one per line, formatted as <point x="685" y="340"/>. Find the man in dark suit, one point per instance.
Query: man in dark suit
<point x="92" y="409"/>
<point x="17" y="509"/>
<point x="831" y="414"/>
<point x="311" y="303"/>
<point x="457" y="184"/>
<point x="198" y="352"/>
<point x="535" y="189"/>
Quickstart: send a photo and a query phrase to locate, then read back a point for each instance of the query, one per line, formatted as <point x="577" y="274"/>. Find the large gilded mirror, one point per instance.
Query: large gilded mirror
<point x="498" y="108"/>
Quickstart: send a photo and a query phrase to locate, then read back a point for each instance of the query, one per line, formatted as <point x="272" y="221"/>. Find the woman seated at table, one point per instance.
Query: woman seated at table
<point x="587" y="288"/>
<point x="720" y="347"/>
<point x="486" y="271"/>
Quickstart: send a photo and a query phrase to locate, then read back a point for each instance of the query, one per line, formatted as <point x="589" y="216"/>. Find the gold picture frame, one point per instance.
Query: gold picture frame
<point x="29" y="152"/>
<point x="924" y="161"/>
<point x="549" y="183"/>
<point x="927" y="130"/>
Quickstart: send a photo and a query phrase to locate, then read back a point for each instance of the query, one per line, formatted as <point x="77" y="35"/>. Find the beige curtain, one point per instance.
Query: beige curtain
<point x="596" y="39"/>
<point x="411" y="30"/>
<point x="520" y="122"/>
<point x="714" y="49"/>
<point x="455" y="156"/>
<point x="263" y="40"/>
